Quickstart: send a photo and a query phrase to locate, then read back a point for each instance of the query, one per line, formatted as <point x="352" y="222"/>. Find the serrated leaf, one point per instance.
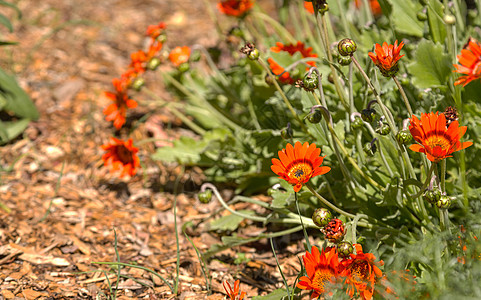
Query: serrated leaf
<point x="18" y="101"/>
<point x="280" y="199"/>
<point x="185" y="150"/>
<point x="404" y="17"/>
<point x="436" y="25"/>
<point x="229" y="222"/>
<point x="274" y="295"/>
<point x="431" y="66"/>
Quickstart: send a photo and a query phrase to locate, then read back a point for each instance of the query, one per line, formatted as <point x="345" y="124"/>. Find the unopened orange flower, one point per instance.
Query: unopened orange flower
<point x="179" y="55"/>
<point x="321" y="268"/>
<point x="233" y="293"/>
<point x="373" y="4"/>
<point x="121" y="156"/>
<point x="436" y="139"/>
<point x="117" y="111"/>
<point x="298" y="164"/>
<point x="361" y="273"/>
<point x="469" y="63"/>
<point x="155" y="30"/>
<point x="387" y="57"/>
<point x="235" y="8"/>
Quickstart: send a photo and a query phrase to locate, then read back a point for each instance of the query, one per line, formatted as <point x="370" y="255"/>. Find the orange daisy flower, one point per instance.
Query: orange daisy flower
<point x="387" y="57"/>
<point x="298" y="164"/>
<point x="179" y="55"/>
<point x="374" y="4"/>
<point x="233" y="293"/>
<point x="117" y="111"/>
<point x="235" y="8"/>
<point x="122" y="156"/>
<point x="361" y="273"/>
<point x="155" y="30"/>
<point x="436" y="139"/>
<point x="321" y="268"/>
<point x="469" y="63"/>
<point x="285" y="77"/>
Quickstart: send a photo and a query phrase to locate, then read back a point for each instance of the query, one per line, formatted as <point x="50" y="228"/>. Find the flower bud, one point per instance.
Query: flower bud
<point x="346" y="47"/>
<point x="269" y="79"/>
<point x="250" y="50"/>
<point x="421" y="16"/>
<point x="138" y="83"/>
<point x="315" y="117"/>
<point x="324" y="7"/>
<point x="161" y="38"/>
<point x="183" y="67"/>
<point x="368" y="114"/>
<point x="321" y="217"/>
<point x="370" y="148"/>
<point x="311" y="82"/>
<point x="344" y="60"/>
<point x="253" y="55"/>
<point x="287" y="133"/>
<point x="404" y="136"/>
<point x="236" y="31"/>
<point x="444" y="202"/>
<point x="154" y="63"/>
<point x="195" y="56"/>
<point x="449" y="19"/>
<point x="383" y="129"/>
<point x="334" y="231"/>
<point x="205" y="196"/>
<point x="345" y="249"/>
<point x="357" y="123"/>
<point x="330" y="78"/>
<point x="432" y="196"/>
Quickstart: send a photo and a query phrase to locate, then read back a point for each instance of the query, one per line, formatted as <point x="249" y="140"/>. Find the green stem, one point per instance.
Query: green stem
<point x="329" y="204"/>
<point x="280" y="270"/>
<point x="344" y="22"/>
<point x="285" y="35"/>
<point x="426" y="182"/>
<point x="443" y="176"/>
<point x="214" y="18"/>
<point x="403" y="96"/>
<point x="306" y="237"/>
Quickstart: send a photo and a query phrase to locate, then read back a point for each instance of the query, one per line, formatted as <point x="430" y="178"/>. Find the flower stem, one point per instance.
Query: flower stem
<point x="306" y="237"/>
<point x="327" y="203"/>
<point x="403" y="95"/>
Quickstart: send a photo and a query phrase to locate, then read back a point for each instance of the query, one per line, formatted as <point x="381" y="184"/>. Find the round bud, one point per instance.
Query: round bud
<point x="384" y="129"/>
<point x="269" y="79"/>
<point x="421" y="16"/>
<point x="183" y="67"/>
<point x="286" y="133"/>
<point x="315" y="117"/>
<point x="330" y="78"/>
<point x="344" y="60"/>
<point x="154" y="63"/>
<point x="432" y="196"/>
<point x="311" y="82"/>
<point x="253" y="55"/>
<point x="138" y="83"/>
<point x="345" y="249"/>
<point x="324" y="7"/>
<point x="449" y="19"/>
<point x="161" y="38"/>
<point x="405" y="81"/>
<point x="195" y="56"/>
<point x="368" y="114"/>
<point x="334" y="231"/>
<point x="205" y="196"/>
<point x="404" y="137"/>
<point x="370" y="148"/>
<point x="444" y="202"/>
<point x="321" y="217"/>
<point x="357" y="123"/>
<point x="346" y="47"/>
<point x="236" y="31"/>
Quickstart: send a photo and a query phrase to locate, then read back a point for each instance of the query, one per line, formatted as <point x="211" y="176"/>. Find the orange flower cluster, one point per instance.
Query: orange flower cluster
<point x="233" y="293"/>
<point x="436" y="139"/>
<point x="469" y="63"/>
<point x="359" y="272"/>
<point x="298" y="164"/>
<point x="291" y="49"/>
<point x="235" y="8"/>
<point x="387" y="57"/>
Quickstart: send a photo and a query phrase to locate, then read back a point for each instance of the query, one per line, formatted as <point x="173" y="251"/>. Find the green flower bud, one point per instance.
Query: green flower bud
<point x="357" y="123"/>
<point x="269" y="79"/>
<point x="344" y="60"/>
<point x="138" y="83"/>
<point x="432" y="196"/>
<point x="154" y="63"/>
<point x="311" y="82"/>
<point x="315" y="117"/>
<point x="162" y="38"/>
<point x="421" y="16"/>
<point x="370" y="148"/>
<point x="195" y="56"/>
<point x="346" y="47"/>
<point x="183" y="67"/>
<point x="345" y="249"/>
<point x="444" y="202"/>
<point x="368" y="114"/>
<point x="383" y="129"/>
<point x="205" y="196"/>
<point x="236" y="31"/>
<point x="449" y="19"/>
<point x="253" y="55"/>
<point x="323" y="8"/>
<point x="404" y="136"/>
<point x="330" y="78"/>
<point x="321" y="217"/>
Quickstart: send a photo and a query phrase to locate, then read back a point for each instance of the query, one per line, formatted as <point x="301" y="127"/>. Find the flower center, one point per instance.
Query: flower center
<point x="438" y="140"/>
<point x="359" y="271"/>
<point x="301" y="171"/>
<point x="125" y="155"/>
<point x="320" y="278"/>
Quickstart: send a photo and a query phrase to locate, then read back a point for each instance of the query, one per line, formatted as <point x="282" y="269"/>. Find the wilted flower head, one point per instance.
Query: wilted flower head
<point x="387" y="57"/>
<point x="435" y="139"/>
<point x="298" y="164"/>
<point x="469" y="62"/>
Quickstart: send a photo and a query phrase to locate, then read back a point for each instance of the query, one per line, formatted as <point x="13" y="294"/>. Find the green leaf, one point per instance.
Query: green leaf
<point x="17" y="100"/>
<point x="404" y="17"/>
<point x="11" y="5"/>
<point x="280" y="199"/>
<point x="436" y="24"/>
<point x="10" y="130"/>
<point x="6" y="22"/>
<point x="229" y="222"/>
<point x="431" y="66"/>
<point x="274" y="295"/>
